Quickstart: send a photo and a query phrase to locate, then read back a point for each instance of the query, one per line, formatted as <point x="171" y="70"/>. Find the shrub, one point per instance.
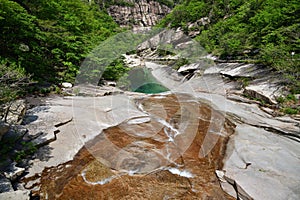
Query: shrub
<point x="13" y="80"/>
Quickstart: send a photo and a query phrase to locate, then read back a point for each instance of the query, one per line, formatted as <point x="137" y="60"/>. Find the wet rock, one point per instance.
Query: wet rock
<point x="155" y="157"/>
<point x="78" y="119"/>
<point x="19" y="194"/>
<point x="5" y="185"/>
<point x="270" y="144"/>
<point x="119" y="147"/>
<point x="13" y="172"/>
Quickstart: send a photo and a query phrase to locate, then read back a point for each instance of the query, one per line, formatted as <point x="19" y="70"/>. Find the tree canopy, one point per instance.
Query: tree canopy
<point x="50" y="38"/>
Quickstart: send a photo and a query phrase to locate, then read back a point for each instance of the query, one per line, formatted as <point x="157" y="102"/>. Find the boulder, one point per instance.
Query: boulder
<point x="16" y="195"/>
<point x="66" y="85"/>
<point x="266" y="89"/>
<point x="15" y="112"/>
<point x="198" y="66"/>
<point x="188" y="68"/>
<point x="4" y="128"/>
<point x="111" y="83"/>
<point x="14" y="172"/>
<point x="5" y="185"/>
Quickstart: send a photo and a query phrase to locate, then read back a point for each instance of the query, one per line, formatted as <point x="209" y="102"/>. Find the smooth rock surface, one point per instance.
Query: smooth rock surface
<point x="265" y="89"/>
<point x="240" y="70"/>
<point x="273" y="163"/>
<point x="15" y="195"/>
<point x="157" y="159"/>
<point x="262" y="156"/>
<point x="261" y="83"/>
<point x="122" y="146"/>
<point x="78" y="119"/>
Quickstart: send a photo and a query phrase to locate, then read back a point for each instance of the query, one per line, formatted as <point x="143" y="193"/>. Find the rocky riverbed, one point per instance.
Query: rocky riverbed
<point x="202" y="139"/>
<point x="147" y="157"/>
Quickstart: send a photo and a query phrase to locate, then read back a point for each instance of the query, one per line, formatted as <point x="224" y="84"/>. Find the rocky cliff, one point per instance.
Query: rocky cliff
<point x="143" y="13"/>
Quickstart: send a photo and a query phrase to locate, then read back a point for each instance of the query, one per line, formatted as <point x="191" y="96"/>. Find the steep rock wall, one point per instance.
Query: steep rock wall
<point x="142" y="13"/>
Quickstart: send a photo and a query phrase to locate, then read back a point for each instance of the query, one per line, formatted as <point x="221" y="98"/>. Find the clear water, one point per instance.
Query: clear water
<point x="142" y="80"/>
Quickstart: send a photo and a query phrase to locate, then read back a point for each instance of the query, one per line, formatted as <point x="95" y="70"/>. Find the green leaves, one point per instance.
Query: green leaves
<point x="263" y="30"/>
<point x="115" y="70"/>
<point x="13" y="80"/>
<point x="183" y="13"/>
<point x="57" y="34"/>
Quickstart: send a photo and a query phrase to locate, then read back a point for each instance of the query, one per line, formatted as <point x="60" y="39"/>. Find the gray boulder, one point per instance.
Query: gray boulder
<point x="15" y="195"/>
<point x="14" y="112"/>
<point x="14" y="172"/>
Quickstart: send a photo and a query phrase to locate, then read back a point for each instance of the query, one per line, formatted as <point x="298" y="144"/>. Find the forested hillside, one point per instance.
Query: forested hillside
<point x="261" y="31"/>
<point x="48" y="39"/>
<point x="45" y="41"/>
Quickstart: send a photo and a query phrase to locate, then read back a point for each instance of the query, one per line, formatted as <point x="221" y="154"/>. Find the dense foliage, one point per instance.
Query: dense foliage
<point x="13" y="80"/>
<point x="50" y="38"/>
<point x="265" y="31"/>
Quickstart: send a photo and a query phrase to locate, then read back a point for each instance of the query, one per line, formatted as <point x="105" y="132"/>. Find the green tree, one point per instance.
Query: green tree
<point x="50" y="38"/>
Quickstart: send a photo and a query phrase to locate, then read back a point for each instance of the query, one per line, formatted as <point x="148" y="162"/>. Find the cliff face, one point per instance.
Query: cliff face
<point x="142" y="13"/>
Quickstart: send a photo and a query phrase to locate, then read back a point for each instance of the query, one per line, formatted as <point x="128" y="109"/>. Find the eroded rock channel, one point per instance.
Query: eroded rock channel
<point x="160" y="156"/>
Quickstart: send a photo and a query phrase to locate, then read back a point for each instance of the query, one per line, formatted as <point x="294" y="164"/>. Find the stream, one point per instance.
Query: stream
<point x="153" y="157"/>
<point x="141" y="80"/>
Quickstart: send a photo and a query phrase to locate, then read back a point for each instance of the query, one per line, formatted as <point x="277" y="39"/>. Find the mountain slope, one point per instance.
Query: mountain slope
<point x="266" y="32"/>
<point x="49" y="39"/>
